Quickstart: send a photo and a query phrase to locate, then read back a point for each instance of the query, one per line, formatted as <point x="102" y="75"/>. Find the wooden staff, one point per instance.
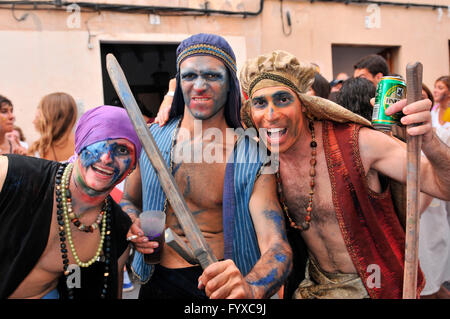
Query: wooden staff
<point x="200" y="247"/>
<point x="414" y="143"/>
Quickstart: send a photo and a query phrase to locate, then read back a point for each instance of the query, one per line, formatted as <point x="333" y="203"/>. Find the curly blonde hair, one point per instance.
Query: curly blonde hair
<point x="58" y="114"/>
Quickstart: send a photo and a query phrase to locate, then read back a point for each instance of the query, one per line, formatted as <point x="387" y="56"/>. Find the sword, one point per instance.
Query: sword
<point x="413" y="146"/>
<point x="200" y="248"/>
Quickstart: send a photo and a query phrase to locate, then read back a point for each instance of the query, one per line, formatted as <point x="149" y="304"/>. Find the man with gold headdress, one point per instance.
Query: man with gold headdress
<point x="328" y="181"/>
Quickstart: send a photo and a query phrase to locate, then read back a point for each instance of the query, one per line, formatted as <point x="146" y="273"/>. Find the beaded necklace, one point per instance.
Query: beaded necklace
<point x="312" y="173"/>
<point x="62" y="182"/>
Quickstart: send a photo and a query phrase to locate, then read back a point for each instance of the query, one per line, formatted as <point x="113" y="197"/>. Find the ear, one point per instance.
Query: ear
<point x="379" y="76"/>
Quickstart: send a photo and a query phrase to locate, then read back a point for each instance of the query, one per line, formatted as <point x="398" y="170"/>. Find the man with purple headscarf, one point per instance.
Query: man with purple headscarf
<point x="61" y="234"/>
<point x="234" y="204"/>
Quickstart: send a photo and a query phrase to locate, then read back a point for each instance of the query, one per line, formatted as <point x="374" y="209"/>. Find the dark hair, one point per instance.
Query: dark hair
<point x="428" y="92"/>
<point x="374" y="63"/>
<point x="4" y="100"/>
<point x="321" y="86"/>
<point x="355" y="95"/>
<point x="444" y="79"/>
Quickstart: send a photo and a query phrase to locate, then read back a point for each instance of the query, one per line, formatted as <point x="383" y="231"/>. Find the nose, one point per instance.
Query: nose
<point x="200" y="84"/>
<point x="106" y="157"/>
<point x="271" y="113"/>
<point x="11" y="116"/>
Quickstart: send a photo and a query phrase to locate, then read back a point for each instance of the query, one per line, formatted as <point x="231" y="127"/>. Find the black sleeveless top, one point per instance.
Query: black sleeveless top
<point x="26" y="203"/>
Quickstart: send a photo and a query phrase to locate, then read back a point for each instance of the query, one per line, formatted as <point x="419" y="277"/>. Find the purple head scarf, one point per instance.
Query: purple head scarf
<point x="104" y="123"/>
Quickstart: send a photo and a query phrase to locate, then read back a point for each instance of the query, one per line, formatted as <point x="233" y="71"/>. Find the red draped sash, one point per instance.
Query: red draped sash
<point x="373" y="234"/>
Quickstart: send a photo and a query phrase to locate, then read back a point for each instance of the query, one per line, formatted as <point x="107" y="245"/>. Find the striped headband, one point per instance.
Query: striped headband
<point x="206" y="49"/>
<point x="273" y="77"/>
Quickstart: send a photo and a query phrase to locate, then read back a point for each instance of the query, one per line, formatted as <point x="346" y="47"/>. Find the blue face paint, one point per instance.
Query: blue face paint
<point x="267" y="280"/>
<point x="279" y="99"/>
<point x="93" y="153"/>
<point x="204" y="77"/>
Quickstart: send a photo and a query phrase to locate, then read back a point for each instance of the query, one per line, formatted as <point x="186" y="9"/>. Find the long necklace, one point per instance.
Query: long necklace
<point x="312" y="173"/>
<point x="71" y="214"/>
<point x="62" y="190"/>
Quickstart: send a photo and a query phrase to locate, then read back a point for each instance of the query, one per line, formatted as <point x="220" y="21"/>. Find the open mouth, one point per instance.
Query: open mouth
<point x="103" y="171"/>
<point x="200" y="99"/>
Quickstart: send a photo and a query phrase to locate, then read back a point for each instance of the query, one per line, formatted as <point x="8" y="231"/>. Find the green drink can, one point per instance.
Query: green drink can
<point x="390" y="90"/>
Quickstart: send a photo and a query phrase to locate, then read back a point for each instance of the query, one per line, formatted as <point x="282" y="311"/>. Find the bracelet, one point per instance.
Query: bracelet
<point x="170" y="93"/>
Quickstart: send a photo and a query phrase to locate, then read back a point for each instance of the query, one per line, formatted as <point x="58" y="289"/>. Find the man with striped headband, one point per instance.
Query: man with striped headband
<point x="235" y="206"/>
<point x="340" y="214"/>
<point x="62" y="234"/>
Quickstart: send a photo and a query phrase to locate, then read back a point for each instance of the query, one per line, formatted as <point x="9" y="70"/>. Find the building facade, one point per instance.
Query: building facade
<point x="47" y="47"/>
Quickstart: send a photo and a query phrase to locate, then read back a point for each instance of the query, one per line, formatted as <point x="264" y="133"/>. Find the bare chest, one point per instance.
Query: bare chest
<point x="296" y="185"/>
<point x="200" y="183"/>
<point x="85" y="245"/>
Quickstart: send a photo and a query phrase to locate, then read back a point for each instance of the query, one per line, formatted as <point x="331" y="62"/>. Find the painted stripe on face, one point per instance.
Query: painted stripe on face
<point x="93" y="153"/>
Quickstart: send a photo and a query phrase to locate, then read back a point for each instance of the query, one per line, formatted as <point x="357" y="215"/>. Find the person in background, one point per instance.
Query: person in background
<point x="355" y="96"/>
<point x="7" y="119"/>
<point x="18" y="136"/>
<point x="372" y="67"/>
<point x="336" y="84"/>
<point x="55" y="118"/>
<point x="441" y="95"/>
<point x="320" y="86"/>
<point x="434" y="237"/>
<point x="163" y="113"/>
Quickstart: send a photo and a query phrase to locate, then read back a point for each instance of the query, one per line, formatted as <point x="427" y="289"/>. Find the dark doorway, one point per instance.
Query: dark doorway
<point x="148" y="69"/>
<point x="345" y="56"/>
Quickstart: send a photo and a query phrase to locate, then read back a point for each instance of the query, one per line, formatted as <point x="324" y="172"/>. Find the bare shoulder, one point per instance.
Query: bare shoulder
<point x="373" y="143"/>
<point x="3" y="170"/>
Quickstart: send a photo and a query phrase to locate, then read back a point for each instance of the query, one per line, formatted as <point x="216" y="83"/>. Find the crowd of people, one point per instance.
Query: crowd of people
<point x="313" y="228"/>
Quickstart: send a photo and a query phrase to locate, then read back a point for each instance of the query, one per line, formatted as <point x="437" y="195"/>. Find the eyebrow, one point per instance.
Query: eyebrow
<point x="277" y="93"/>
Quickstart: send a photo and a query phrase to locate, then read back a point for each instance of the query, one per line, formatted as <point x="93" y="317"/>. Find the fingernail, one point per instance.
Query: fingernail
<point x="200" y="285"/>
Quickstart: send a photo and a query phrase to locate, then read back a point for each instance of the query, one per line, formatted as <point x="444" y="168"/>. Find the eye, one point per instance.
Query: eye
<point x="259" y="103"/>
<point x="283" y="99"/>
<point x="212" y="76"/>
<point x="188" y="76"/>
<point x="122" y="150"/>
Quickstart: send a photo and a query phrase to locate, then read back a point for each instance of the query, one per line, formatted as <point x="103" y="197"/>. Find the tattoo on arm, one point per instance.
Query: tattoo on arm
<point x="127" y="205"/>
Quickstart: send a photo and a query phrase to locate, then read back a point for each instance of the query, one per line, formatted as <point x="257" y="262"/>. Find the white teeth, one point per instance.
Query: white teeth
<point x="103" y="170"/>
<point x="275" y="130"/>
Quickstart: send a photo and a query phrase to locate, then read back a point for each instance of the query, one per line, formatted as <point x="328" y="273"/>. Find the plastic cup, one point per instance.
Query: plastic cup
<point x="153" y="223"/>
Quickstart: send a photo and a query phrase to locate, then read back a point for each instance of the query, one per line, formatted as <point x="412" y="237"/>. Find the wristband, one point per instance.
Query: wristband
<point x="170" y="93"/>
